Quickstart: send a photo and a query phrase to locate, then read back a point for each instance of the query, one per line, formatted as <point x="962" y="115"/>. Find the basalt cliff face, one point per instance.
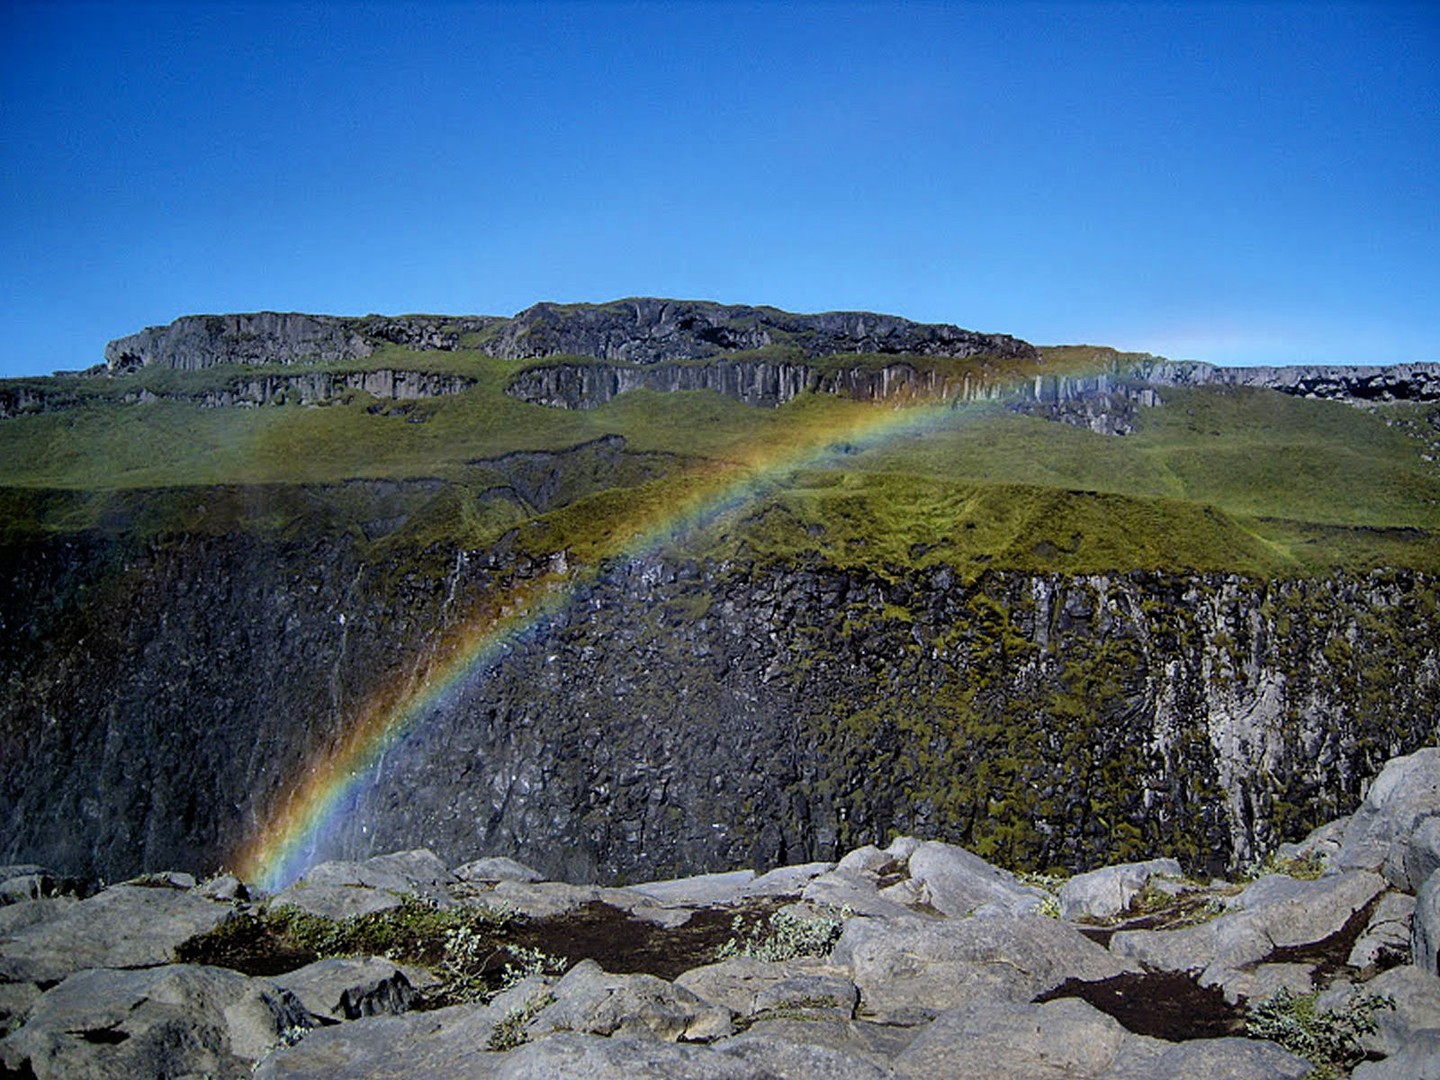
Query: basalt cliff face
<point x="162" y="698"/>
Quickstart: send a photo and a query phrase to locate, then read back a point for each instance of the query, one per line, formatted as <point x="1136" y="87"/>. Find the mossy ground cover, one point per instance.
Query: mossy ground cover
<point x="1216" y="478"/>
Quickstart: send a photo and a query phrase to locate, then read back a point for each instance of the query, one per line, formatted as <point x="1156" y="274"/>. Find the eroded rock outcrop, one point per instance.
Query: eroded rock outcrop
<point x="905" y="993"/>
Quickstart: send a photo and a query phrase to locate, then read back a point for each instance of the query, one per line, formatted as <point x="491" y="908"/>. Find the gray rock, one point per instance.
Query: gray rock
<point x="847" y="889"/>
<point x="1261" y="981"/>
<point x="1400" y="800"/>
<point x="1322" y="844"/>
<point x="446" y="1042"/>
<point x="549" y="899"/>
<point x="124" y="926"/>
<point x="1419" y="1059"/>
<point x="702" y="890"/>
<point x="1422" y="854"/>
<point x="768" y="1055"/>
<point x="821" y="994"/>
<point x="1105" y="893"/>
<point x="1011" y="1040"/>
<point x="497" y="868"/>
<point x="957" y="882"/>
<point x="737" y="983"/>
<point x="224" y="887"/>
<point x="17" y="916"/>
<point x="1213" y="1059"/>
<point x="27" y="881"/>
<point x="568" y="1056"/>
<point x="1387" y="937"/>
<point x="15" y="1002"/>
<point x="876" y="1043"/>
<point x="868" y="860"/>
<point x="177" y="1020"/>
<point x="1274" y="912"/>
<point x="589" y="999"/>
<point x="787" y="880"/>
<point x="1425" y="926"/>
<point x="1417" y="1005"/>
<point x="350" y="987"/>
<point x="341" y="890"/>
<point x="916" y="966"/>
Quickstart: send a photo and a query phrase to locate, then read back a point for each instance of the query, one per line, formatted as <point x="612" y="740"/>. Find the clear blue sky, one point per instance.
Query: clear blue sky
<point x="1243" y="183"/>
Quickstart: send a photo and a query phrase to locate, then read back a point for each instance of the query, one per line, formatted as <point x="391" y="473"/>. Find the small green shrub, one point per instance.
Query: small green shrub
<point x="510" y="1031"/>
<point x="1330" y="1040"/>
<point x="784" y="937"/>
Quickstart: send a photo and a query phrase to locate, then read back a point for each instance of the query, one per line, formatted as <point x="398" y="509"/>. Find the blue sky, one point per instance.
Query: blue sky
<point x="1242" y="183"/>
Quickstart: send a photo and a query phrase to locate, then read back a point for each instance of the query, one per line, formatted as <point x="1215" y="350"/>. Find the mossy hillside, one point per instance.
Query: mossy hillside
<point x="1215" y="478"/>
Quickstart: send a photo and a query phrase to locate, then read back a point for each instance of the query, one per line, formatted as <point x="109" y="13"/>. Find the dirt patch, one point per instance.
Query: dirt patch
<point x="625" y="945"/>
<point x="1162" y="1004"/>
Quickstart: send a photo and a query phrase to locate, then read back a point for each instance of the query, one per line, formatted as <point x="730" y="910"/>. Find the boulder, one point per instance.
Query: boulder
<point x="224" y="887"/>
<point x="1386" y="938"/>
<point x="590" y="999"/>
<point x="15" y="1002"/>
<point x="1273" y="912"/>
<point x="957" y="882"/>
<point x="737" y="983"/>
<point x="848" y="889"/>
<point x="1400" y="800"/>
<point x="918" y="967"/>
<point x="1322" y="845"/>
<point x="347" y="988"/>
<point x="177" y="1020"/>
<point x="497" y="868"/>
<point x="26" y="881"/>
<point x="1012" y="1040"/>
<point x="123" y="926"/>
<point x="341" y="890"/>
<point x="1417" y="1005"/>
<point x="1425" y="926"/>
<point x="1105" y="893"/>
<point x="1418" y="1059"/>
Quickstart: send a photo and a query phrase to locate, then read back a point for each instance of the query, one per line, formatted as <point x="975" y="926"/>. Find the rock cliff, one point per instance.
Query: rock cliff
<point x="684" y="716"/>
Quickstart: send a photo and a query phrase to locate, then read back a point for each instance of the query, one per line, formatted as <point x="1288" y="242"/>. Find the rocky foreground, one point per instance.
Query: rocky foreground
<point x="917" y="961"/>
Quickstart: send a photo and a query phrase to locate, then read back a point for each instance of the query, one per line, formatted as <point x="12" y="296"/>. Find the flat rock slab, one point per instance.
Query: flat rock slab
<point x="1213" y="1059"/>
<point x="702" y="890"/>
<point x="446" y="1042"/>
<point x="935" y="965"/>
<point x="341" y="890"/>
<point x="550" y="899"/>
<point x="178" y="1020"/>
<point x="123" y="927"/>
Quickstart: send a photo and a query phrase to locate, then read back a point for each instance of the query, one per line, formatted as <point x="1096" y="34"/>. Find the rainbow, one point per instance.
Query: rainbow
<point x="285" y="843"/>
